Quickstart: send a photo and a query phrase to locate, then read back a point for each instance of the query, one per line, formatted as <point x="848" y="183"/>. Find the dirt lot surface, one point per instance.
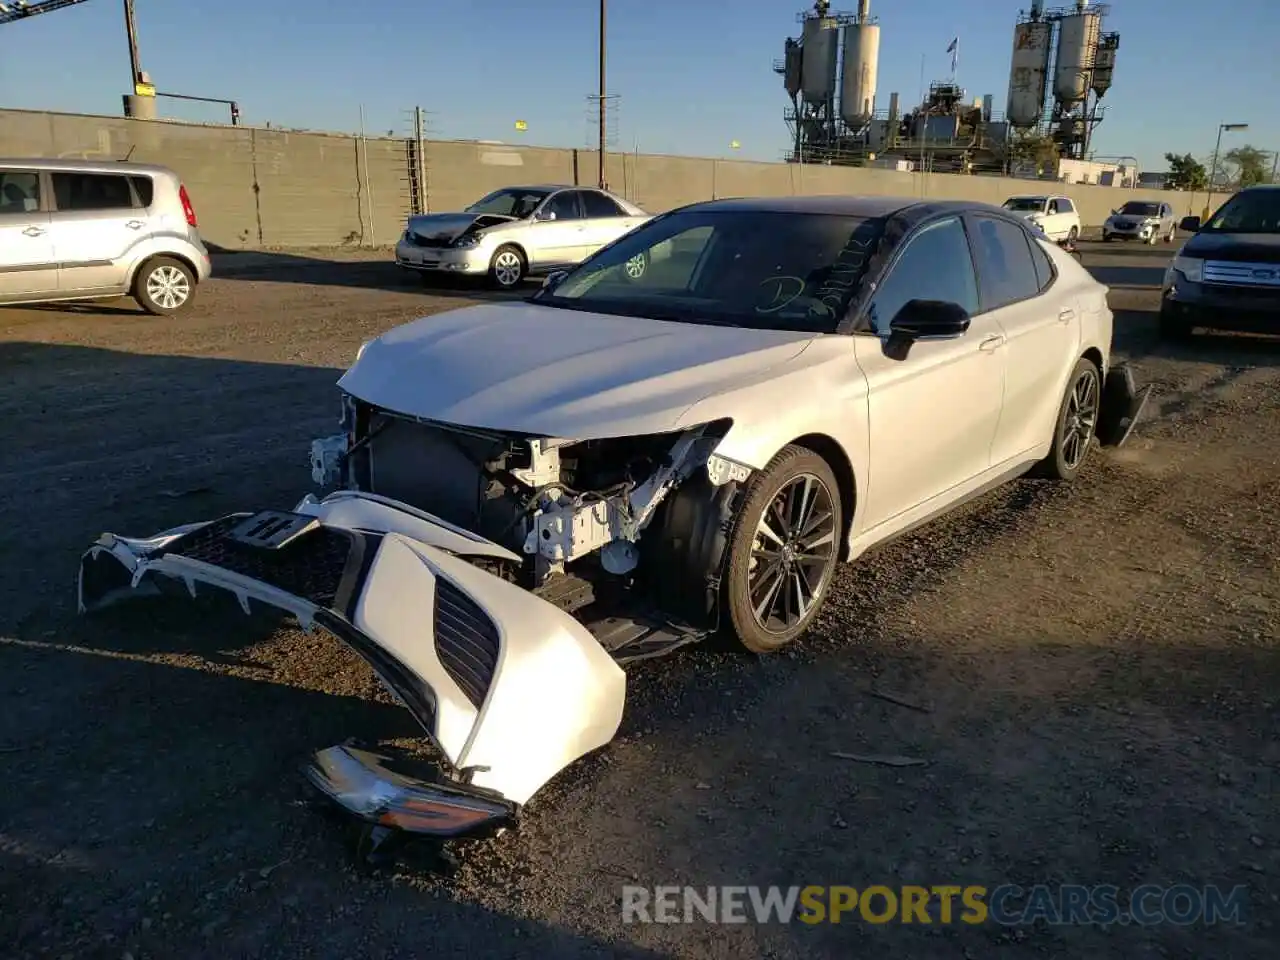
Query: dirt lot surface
<point x="1099" y="665"/>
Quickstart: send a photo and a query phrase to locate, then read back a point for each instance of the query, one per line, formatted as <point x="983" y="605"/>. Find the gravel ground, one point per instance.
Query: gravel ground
<point x="1098" y="665"/>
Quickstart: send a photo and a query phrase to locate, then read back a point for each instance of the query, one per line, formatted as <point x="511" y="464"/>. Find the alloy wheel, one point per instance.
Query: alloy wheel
<point x="1081" y="419"/>
<point x="793" y="553"/>
<point x="168" y="287"/>
<point x="507" y="268"/>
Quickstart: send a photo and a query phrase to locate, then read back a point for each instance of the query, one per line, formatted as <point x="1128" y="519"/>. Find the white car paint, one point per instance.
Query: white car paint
<point x="920" y="434"/>
<point x="1056" y="215"/>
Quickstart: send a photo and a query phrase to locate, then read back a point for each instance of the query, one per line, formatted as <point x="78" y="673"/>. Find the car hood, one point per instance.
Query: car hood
<point x="552" y="372"/>
<point x="1240" y="247"/>
<point x="446" y="227"/>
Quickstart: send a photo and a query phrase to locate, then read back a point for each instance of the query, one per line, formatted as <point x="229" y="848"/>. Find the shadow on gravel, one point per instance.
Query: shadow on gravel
<point x="1128" y="277"/>
<point x="171" y="820"/>
<point x="380" y="274"/>
<point x="1137" y="337"/>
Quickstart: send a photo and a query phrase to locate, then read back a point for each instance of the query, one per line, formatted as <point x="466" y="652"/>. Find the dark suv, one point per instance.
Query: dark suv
<point x="1227" y="277"/>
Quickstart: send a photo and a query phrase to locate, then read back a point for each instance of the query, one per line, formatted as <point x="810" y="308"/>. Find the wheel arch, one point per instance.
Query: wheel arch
<point x="143" y="261"/>
<point x="517" y="246"/>
<point x="830" y="450"/>
<point x="1094" y="356"/>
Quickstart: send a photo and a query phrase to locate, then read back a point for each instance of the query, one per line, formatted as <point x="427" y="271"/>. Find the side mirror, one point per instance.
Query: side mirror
<point x="554" y="279"/>
<point x="546" y="215"/>
<point x="1189" y="224"/>
<point x="925" y="320"/>
<point x="1115" y="212"/>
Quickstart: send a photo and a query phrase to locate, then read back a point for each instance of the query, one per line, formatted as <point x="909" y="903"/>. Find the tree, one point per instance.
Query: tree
<point x="1247" y="166"/>
<point x="1185" y="172"/>
<point x="1029" y="147"/>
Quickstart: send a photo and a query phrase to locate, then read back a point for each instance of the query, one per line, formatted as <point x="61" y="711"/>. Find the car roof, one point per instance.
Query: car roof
<point x="852" y="206"/>
<point x="101" y="165"/>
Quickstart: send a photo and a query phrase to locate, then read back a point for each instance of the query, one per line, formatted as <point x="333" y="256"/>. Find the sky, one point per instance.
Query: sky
<point x="689" y="78"/>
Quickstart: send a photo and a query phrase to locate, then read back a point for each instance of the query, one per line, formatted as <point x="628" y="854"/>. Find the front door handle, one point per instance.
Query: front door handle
<point x="134" y="224"/>
<point x="33" y="232"/>
<point x="1066" y="316"/>
<point x="991" y="343"/>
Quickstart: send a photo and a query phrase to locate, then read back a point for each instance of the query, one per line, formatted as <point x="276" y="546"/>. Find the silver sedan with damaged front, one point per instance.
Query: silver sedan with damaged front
<point x="517" y="232"/>
<point x="533" y="495"/>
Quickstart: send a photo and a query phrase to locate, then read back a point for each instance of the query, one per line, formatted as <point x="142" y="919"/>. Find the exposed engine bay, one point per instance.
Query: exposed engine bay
<point x="577" y="512"/>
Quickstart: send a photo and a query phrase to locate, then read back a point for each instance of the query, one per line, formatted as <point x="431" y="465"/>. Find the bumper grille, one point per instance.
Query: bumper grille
<point x="311" y="567"/>
<point x="434" y="243"/>
<point x="1265" y="275"/>
<point x="466" y="641"/>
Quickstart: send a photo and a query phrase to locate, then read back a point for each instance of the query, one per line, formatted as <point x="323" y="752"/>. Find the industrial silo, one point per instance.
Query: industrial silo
<point x="820" y="46"/>
<point x="791" y="60"/>
<point x="1028" y="72"/>
<point x="858" y="75"/>
<point x="1104" y="63"/>
<point x="1078" y="36"/>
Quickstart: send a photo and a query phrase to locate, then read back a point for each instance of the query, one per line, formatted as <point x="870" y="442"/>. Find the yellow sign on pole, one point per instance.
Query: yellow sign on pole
<point x="734" y="144"/>
<point x="144" y="90"/>
<point x="521" y="125"/>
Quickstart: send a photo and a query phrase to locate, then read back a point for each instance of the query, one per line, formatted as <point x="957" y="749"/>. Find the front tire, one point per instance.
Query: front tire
<point x="1072" y="235"/>
<point x="783" y="550"/>
<point x="508" y="267"/>
<point x="164" y="286"/>
<point x="1077" y="420"/>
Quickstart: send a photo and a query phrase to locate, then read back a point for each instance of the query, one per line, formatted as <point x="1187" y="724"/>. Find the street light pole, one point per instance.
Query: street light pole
<point x="1213" y="174"/>
<point x="131" y="28"/>
<point x="603" y="102"/>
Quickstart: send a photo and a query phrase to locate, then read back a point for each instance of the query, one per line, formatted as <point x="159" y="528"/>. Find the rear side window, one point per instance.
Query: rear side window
<point x="1006" y="271"/>
<point x="92" y="191"/>
<point x="144" y="187"/>
<point x="19" y="191"/>
<point x="1044" y="266"/>
<point x="934" y="265"/>
<point x="598" y="205"/>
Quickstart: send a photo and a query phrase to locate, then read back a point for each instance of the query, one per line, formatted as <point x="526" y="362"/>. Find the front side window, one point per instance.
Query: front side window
<point x="518" y="202"/>
<point x="764" y="270"/>
<point x="19" y="191"/>
<point x="934" y="265"/>
<point x="1065" y="205"/>
<point x="92" y="191"/>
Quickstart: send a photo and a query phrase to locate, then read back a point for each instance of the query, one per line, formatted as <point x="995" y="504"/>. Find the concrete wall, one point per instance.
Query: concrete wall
<point x="269" y="188"/>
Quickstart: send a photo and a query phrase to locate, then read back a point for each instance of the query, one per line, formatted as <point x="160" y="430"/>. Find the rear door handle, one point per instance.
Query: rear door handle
<point x="1066" y="316"/>
<point x="33" y="232"/>
<point x="991" y="343"/>
<point x="134" y="224"/>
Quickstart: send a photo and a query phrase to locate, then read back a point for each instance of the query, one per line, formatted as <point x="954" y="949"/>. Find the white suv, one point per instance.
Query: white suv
<point x="1056" y="216"/>
<point x="81" y="229"/>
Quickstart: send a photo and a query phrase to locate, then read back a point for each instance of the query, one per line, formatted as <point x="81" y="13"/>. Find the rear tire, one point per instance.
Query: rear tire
<point x="164" y="286"/>
<point x="1073" y="432"/>
<point x="783" y="550"/>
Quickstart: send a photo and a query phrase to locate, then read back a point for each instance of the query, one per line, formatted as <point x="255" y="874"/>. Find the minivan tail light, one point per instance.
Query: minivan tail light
<point x="187" y="209"/>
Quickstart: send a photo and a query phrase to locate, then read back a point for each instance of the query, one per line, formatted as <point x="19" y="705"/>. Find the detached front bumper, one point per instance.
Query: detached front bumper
<point x="1121" y="407"/>
<point x="471" y="261"/>
<point x="510" y="688"/>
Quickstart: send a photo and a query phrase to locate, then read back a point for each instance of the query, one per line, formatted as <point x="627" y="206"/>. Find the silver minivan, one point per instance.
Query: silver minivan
<point x="84" y="229"/>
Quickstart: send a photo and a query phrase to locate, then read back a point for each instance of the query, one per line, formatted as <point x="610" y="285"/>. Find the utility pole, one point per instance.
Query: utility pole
<point x="131" y="28"/>
<point x="603" y="102"/>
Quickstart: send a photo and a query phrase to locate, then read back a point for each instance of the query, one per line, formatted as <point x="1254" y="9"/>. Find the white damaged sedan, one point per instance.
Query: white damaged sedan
<point x="533" y="494"/>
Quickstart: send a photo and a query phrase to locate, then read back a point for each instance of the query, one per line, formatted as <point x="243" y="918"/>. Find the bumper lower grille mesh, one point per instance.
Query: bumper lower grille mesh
<point x="466" y="641"/>
<point x="312" y="567"/>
